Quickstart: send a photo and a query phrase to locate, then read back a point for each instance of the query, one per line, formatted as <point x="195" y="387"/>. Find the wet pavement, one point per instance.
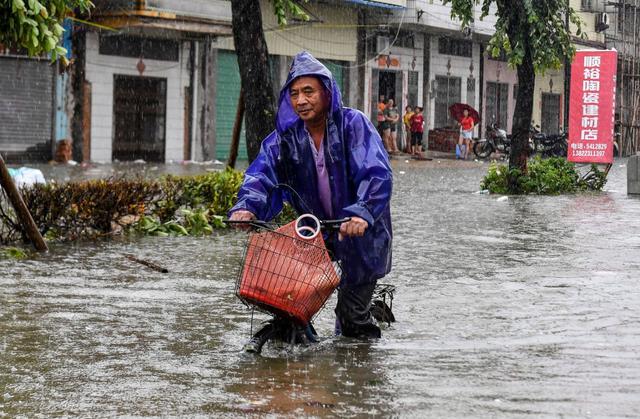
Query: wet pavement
<point x="507" y="307"/>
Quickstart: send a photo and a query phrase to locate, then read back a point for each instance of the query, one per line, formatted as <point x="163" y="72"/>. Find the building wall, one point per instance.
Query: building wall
<point x="588" y="17"/>
<point x="435" y="14"/>
<point x="100" y="71"/>
<point x="331" y="33"/>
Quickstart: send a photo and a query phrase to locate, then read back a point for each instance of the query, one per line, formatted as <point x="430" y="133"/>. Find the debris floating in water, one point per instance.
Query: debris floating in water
<point x="148" y="264"/>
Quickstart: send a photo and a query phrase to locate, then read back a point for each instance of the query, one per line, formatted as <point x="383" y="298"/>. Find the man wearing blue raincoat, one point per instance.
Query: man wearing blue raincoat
<point x="333" y="157"/>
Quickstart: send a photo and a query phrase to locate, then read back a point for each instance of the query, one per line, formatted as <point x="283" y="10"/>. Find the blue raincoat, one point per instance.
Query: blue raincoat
<point x="360" y="176"/>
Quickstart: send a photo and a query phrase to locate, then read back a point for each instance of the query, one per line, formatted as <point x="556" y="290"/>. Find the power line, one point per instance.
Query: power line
<point x="391" y="44"/>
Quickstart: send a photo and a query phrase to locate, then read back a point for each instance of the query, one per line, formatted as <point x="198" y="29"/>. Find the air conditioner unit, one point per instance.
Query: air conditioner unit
<point x="382" y="44"/>
<point x="602" y="22"/>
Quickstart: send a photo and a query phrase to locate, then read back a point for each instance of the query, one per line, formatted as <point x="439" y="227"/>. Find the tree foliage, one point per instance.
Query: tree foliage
<point x="35" y="25"/>
<point x="282" y="8"/>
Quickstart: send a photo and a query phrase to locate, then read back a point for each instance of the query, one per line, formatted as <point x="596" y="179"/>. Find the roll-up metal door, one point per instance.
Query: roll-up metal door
<point x="26" y="108"/>
<point x="227" y="93"/>
<point x="337" y="70"/>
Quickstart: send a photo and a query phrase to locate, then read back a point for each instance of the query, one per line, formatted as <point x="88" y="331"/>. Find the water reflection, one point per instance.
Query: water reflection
<point x="339" y="377"/>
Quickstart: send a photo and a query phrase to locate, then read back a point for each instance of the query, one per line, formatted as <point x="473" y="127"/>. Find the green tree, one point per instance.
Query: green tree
<point x="253" y="62"/>
<point x="35" y="24"/>
<point x="534" y="36"/>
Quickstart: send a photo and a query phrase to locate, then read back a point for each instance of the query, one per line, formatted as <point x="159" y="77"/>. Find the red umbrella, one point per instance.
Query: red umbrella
<point x="456" y="111"/>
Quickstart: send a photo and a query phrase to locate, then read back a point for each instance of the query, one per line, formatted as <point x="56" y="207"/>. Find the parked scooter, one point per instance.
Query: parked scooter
<point x="496" y="140"/>
<point x="552" y="145"/>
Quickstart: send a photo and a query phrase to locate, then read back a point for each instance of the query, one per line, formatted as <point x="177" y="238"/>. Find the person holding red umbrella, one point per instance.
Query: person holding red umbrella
<point x="467" y="123"/>
<point x="468" y="118"/>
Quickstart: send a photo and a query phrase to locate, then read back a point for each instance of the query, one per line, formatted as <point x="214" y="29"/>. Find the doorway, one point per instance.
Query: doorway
<point x="139" y="110"/>
<point x="550" y="123"/>
<point x="390" y="85"/>
<point x="387" y="85"/>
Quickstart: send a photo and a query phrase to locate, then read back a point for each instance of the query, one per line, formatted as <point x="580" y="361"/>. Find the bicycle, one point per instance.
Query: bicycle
<point x="288" y="272"/>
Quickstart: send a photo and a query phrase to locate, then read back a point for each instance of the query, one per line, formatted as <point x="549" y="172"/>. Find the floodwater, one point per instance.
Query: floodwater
<point x="507" y="307"/>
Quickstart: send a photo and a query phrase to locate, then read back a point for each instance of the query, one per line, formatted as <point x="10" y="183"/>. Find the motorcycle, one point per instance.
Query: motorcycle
<point x="496" y="140"/>
<point x="552" y="145"/>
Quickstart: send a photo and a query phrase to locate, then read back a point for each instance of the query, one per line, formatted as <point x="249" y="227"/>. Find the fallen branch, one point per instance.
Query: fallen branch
<point x="148" y="264"/>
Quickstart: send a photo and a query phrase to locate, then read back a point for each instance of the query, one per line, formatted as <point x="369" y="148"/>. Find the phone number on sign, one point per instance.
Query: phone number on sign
<point x="595" y="146"/>
<point x="587" y="153"/>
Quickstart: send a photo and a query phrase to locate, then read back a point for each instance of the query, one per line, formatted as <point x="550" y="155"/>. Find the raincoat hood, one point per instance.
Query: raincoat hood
<point x="304" y="64"/>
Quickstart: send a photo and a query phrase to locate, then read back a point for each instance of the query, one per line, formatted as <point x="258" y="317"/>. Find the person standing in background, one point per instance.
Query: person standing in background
<point x="466" y="135"/>
<point x="392" y="116"/>
<point x="417" y="130"/>
<point x="380" y="121"/>
<point x="406" y="120"/>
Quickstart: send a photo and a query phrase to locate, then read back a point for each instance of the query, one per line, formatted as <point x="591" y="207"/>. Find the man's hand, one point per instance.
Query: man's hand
<point x="353" y="228"/>
<point x="242" y="215"/>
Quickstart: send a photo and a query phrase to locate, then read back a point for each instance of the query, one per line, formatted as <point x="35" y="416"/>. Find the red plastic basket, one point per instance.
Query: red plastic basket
<point x="286" y="275"/>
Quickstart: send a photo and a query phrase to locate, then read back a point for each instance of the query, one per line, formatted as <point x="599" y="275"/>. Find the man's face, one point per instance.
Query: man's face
<point x="308" y="99"/>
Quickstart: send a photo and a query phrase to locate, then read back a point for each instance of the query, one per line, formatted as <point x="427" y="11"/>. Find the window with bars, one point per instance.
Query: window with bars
<point x="585" y="4"/>
<point x="471" y="91"/>
<point x="405" y="39"/>
<point x="139" y="47"/>
<point x="447" y="93"/>
<point x="501" y="57"/>
<point x="626" y="20"/>
<point x="457" y="47"/>
<point x="497" y="103"/>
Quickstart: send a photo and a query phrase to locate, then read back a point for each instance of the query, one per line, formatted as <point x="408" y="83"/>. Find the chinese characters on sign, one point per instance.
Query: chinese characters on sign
<point x="592" y="106"/>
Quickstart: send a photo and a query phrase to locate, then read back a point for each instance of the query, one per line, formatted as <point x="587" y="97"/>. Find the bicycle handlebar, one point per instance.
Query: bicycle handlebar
<point x="327" y="225"/>
<point x="333" y="225"/>
<point x="252" y="223"/>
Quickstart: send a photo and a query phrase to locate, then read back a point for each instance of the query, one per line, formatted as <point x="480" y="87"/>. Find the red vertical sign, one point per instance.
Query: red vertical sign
<point x="592" y="106"/>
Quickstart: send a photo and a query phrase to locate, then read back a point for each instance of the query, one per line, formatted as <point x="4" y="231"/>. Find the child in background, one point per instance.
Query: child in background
<point x="406" y="120"/>
<point x="417" y="129"/>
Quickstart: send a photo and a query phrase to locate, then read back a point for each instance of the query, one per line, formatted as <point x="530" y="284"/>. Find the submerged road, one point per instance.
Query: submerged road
<point x="507" y="307"/>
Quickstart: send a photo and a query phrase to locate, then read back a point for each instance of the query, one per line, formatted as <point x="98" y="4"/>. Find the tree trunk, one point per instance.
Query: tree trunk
<point x="77" y="82"/>
<point x="524" y="102"/>
<point x="253" y="61"/>
<point x="522" y="115"/>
